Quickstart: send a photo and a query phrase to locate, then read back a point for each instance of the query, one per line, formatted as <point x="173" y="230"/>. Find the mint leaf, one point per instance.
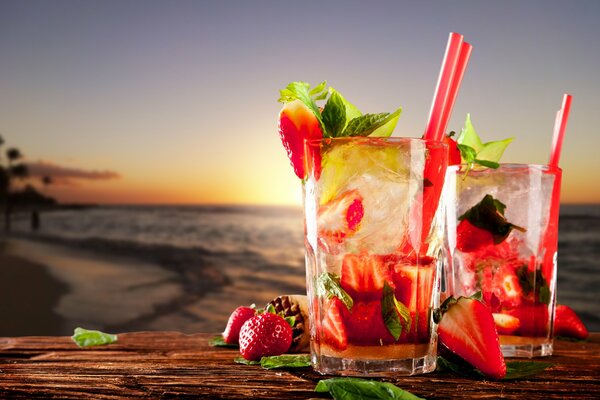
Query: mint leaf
<point x="241" y="360"/>
<point x="488" y="214"/>
<point x="533" y="284"/>
<point x="366" y="124"/>
<point x="328" y="285"/>
<point x="351" y="110"/>
<point x="469" y="137"/>
<point x="334" y="115"/>
<point x="218" y="341"/>
<point x="85" y="338"/>
<point x="301" y="91"/>
<point x="286" y="361"/>
<point x="474" y="151"/>
<point x="394" y="313"/>
<point x="356" y="388"/>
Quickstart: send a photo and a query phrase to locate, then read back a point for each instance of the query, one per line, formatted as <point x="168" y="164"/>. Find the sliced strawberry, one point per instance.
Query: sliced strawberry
<point x="454" y="157"/>
<point x="333" y="328"/>
<point x="231" y="333"/>
<point x="340" y="218"/>
<point x="363" y="276"/>
<point x="467" y="329"/>
<point x="414" y="285"/>
<point x="470" y="238"/>
<point x="506" y="324"/>
<point x="567" y="323"/>
<point x="297" y="123"/>
<point x="533" y="319"/>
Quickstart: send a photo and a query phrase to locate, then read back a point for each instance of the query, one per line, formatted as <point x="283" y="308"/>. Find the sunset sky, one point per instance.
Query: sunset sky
<point x="176" y="101"/>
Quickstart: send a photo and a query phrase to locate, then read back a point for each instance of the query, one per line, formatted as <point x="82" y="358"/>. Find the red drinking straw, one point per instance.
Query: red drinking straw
<point x="560" y="126"/>
<point x="440" y="97"/>
<point x="461" y="67"/>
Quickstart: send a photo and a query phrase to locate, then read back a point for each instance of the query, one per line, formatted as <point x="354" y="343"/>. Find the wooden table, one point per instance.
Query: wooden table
<point x="173" y="365"/>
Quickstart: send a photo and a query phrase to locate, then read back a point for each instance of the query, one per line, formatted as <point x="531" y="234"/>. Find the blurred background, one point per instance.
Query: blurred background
<point x="148" y="187"/>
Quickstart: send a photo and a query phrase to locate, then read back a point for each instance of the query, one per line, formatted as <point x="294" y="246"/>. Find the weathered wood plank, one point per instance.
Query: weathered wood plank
<point x="172" y="365"/>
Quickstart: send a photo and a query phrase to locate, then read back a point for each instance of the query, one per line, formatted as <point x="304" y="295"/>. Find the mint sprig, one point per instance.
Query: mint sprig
<point x="474" y="152"/>
<point x="488" y="214"/>
<point x="328" y="285"/>
<point x="339" y="117"/>
<point x="356" y="388"/>
<point x="86" y="338"/>
<point x="395" y="314"/>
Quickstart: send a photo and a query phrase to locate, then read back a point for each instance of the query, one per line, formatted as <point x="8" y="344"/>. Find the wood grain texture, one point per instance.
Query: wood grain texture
<point x="163" y="365"/>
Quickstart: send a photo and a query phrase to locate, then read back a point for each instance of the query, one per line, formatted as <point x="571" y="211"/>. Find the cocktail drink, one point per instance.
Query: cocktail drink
<point x="502" y="232"/>
<point x="374" y="234"/>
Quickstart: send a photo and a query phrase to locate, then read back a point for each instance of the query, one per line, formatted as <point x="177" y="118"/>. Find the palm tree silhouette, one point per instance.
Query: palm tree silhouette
<point x="14" y="170"/>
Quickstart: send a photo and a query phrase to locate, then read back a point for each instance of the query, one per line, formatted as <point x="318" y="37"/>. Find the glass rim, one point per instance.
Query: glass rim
<point x="508" y="166"/>
<point x="393" y="139"/>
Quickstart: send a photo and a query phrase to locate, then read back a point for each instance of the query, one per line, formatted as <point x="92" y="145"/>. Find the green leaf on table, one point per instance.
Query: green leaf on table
<point x="328" y="285"/>
<point x="395" y="314"/>
<point x="514" y="369"/>
<point x="286" y="361"/>
<point x="241" y="360"/>
<point x="86" y="338"/>
<point x="356" y="388"/>
<point x="218" y="341"/>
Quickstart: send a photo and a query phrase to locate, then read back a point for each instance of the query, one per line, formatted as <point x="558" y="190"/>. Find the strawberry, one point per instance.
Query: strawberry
<point x="470" y="238"/>
<point x="365" y="324"/>
<point x="237" y="318"/>
<point x="264" y="335"/>
<point x="414" y="285"/>
<point x="533" y="319"/>
<point x="333" y="328"/>
<point x="466" y="327"/>
<point x="297" y="123"/>
<point x="340" y="217"/>
<point x="363" y="276"/>
<point x="500" y="286"/>
<point x="567" y="323"/>
<point x="454" y="157"/>
<point x="506" y="324"/>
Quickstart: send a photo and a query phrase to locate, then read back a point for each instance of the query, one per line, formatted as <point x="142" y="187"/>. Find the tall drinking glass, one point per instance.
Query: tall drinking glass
<point x="373" y="236"/>
<point x="503" y="233"/>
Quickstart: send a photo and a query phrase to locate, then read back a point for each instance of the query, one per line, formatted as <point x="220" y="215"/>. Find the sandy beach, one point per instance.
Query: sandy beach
<point x="29" y="295"/>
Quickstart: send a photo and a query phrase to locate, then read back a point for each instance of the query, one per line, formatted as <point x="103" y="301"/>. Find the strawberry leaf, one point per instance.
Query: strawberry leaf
<point x="394" y="313"/>
<point x="356" y="388"/>
<point x="291" y="320"/>
<point x="328" y="285"/>
<point x="488" y="214"/>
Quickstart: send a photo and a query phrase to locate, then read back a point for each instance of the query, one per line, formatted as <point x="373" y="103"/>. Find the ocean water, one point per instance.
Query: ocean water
<point x="220" y="257"/>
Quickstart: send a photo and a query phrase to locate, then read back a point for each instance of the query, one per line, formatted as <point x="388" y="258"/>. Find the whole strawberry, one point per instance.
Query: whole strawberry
<point x="567" y="323"/>
<point x="237" y="318"/>
<point x="265" y="335"/>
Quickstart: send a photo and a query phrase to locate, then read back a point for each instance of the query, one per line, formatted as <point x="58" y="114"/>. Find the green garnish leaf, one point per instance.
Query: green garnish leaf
<point x="85" y="338"/>
<point x="241" y="360"/>
<point x="356" y="388"/>
<point x="474" y="151"/>
<point x="328" y="285"/>
<point x="514" y="369"/>
<point x="286" y="361"/>
<point x="367" y="124"/>
<point x="394" y="313"/>
<point x="488" y="214"/>
<point x="334" y="115"/>
<point x="218" y="341"/>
